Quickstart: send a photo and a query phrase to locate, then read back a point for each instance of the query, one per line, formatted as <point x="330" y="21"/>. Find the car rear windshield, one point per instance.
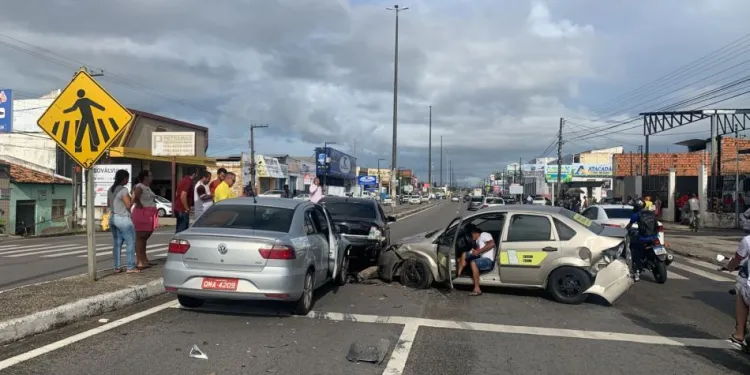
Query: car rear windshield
<point x="477" y="199"/>
<point x="364" y="210"/>
<point x="618" y="213"/>
<point x="247" y="217"/>
<point x="583" y="220"/>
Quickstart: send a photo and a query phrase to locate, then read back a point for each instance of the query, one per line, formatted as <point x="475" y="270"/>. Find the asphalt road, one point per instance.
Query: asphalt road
<point x="29" y="261"/>
<point x="675" y="328"/>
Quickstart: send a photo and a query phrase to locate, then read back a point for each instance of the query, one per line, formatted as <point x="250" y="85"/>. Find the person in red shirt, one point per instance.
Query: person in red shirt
<point x="183" y="202"/>
<point x="220" y="174"/>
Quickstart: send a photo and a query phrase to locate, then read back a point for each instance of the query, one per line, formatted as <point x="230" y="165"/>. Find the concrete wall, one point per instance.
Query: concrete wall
<point x="38" y="149"/>
<point x="43" y="194"/>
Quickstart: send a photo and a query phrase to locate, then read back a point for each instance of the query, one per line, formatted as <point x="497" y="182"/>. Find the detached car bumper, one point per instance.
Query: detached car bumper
<point x="612" y="281"/>
<point x="363" y="247"/>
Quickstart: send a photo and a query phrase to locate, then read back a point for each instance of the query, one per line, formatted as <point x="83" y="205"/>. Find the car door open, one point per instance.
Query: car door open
<point x="446" y="251"/>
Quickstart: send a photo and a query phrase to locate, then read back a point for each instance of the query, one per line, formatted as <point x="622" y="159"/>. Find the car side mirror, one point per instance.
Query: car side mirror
<point x="391" y="218"/>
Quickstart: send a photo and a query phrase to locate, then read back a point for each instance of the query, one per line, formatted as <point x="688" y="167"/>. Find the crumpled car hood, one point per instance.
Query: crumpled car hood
<point x="419" y="241"/>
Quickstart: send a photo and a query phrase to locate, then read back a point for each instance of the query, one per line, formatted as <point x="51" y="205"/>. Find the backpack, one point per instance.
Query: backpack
<point x="647" y="224"/>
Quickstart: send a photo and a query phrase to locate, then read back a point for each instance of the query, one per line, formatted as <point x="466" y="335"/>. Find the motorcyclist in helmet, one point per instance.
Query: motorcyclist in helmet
<point x="647" y="233"/>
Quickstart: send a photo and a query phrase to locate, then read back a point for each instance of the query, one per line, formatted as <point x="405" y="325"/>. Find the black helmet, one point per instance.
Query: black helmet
<point x="638" y="205"/>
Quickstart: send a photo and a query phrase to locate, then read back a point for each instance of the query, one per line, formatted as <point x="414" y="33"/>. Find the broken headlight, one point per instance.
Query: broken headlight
<point x="609" y="255"/>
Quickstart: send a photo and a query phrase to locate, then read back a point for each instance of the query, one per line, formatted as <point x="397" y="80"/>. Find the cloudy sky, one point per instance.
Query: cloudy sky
<point x="498" y="73"/>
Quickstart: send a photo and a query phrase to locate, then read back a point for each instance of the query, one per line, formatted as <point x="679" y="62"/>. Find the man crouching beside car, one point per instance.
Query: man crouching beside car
<point x="480" y="258"/>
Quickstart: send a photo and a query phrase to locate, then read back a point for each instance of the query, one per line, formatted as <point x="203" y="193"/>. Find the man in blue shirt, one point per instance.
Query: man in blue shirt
<point x="647" y="233"/>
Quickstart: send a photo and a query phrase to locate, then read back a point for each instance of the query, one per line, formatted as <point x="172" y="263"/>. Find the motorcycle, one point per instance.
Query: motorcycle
<point x="655" y="258"/>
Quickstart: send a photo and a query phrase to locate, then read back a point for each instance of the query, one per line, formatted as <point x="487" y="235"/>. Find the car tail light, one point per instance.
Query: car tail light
<point x="660" y="229"/>
<point x="278" y="252"/>
<point x="485" y="205"/>
<point x="179" y="246"/>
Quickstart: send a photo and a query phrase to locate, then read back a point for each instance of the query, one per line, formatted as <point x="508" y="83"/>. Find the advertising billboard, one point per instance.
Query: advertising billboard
<point x="339" y="164"/>
<point x="405" y="173"/>
<point x="6" y="110"/>
<point x="367" y="180"/>
<point x="578" y="172"/>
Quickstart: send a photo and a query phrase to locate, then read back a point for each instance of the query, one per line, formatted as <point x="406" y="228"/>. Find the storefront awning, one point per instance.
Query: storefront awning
<point x="143" y="154"/>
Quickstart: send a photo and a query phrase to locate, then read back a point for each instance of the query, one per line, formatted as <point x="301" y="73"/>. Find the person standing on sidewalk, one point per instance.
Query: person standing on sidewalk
<point x="182" y="205"/>
<point x="287" y="193"/>
<point x="224" y="190"/>
<point x="220" y="175"/>
<point x="316" y="191"/>
<point x="119" y="203"/>
<point x="145" y="216"/>
<point x="202" y="194"/>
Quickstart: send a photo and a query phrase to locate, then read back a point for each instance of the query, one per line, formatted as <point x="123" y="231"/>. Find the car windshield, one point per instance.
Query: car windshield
<point x="241" y="216"/>
<point x="583" y="220"/>
<point x="618" y="213"/>
<point x="477" y="199"/>
<point x="364" y="210"/>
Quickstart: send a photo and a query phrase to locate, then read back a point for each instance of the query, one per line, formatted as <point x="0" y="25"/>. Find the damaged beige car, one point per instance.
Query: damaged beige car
<point x="542" y="247"/>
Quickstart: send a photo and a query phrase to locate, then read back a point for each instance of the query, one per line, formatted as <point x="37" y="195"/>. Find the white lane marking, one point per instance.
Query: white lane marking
<point x="702" y="273"/>
<point x="672" y="275"/>
<point x="400" y="352"/>
<point x="712" y="267"/>
<point x="417" y="213"/>
<point x="12" y="361"/>
<point x="25" y="253"/>
<point x="16" y="249"/>
<point x="160" y="255"/>
<point x="100" y="253"/>
<point x="525" y="330"/>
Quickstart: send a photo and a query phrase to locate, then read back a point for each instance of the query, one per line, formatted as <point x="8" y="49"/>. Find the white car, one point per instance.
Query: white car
<point x="415" y="199"/>
<point x="303" y="197"/>
<point x="493" y="201"/>
<point x="273" y="193"/>
<point x="455" y="199"/>
<point x="617" y="216"/>
<point x="163" y="206"/>
<point x="425" y="199"/>
<point x="387" y="201"/>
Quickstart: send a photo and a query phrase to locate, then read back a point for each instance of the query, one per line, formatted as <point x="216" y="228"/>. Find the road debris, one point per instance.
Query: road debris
<point x="103" y="320"/>
<point x="195" y="352"/>
<point x="372" y="353"/>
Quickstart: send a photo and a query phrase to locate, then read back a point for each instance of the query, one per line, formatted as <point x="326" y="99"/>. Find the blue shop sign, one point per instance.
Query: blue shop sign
<point x="367" y="180"/>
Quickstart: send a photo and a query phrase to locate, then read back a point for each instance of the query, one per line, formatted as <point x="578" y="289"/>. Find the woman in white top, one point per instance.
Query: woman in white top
<point x="202" y="193"/>
<point x="316" y="191"/>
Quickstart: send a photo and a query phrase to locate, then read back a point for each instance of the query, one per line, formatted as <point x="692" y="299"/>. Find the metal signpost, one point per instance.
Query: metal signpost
<point x="85" y="120"/>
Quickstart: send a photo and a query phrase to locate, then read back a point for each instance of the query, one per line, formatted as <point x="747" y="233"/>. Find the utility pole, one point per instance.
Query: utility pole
<point x="396" y="9"/>
<point x="251" y="191"/>
<point x="450" y="174"/>
<point x="441" y="160"/>
<point x="429" y="153"/>
<point x="559" y="158"/>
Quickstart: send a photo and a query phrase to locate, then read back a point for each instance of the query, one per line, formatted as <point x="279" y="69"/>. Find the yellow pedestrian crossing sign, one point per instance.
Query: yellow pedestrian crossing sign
<point x="84" y="120"/>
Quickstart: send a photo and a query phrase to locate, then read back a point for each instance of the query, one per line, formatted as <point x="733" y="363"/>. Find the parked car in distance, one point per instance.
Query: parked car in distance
<point x="425" y="199"/>
<point x="268" y="249"/>
<point x="387" y="201"/>
<point x="273" y="193"/>
<point x="404" y="199"/>
<point x="475" y="203"/>
<point x="163" y="206"/>
<point x="616" y="216"/>
<point x="415" y="199"/>
<point x="455" y="199"/>
<point x="303" y="197"/>
<point x="363" y="223"/>
<point x="492" y="202"/>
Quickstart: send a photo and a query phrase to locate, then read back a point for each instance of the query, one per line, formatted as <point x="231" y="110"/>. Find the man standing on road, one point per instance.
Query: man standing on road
<point x="184" y="197"/>
<point x="695" y="207"/>
<point x="224" y="190"/>
<point x="742" y="287"/>
<point x="480" y="258"/>
<point x="286" y="193"/>
<point x="203" y="197"/>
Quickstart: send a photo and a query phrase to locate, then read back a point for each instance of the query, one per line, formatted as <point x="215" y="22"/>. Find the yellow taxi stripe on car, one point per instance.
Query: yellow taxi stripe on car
<point x="522" y="258"/>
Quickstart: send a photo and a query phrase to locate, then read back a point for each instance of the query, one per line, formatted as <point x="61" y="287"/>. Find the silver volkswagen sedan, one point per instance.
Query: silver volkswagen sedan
<point x="265" y="249"/>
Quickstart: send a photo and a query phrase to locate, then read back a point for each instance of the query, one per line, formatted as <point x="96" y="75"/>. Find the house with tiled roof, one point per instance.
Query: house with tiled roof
<point x="32" y="198"/>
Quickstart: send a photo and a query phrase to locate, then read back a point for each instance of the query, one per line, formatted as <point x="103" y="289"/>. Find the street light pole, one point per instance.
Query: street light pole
<point x="396" y="9"/>
<point x="429" y="153"/>
<point x="252" y="191"/>
<point x="441" y="160"/>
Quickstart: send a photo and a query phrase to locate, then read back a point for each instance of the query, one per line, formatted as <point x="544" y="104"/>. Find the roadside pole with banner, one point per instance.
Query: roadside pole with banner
<point x="85" y="120"/>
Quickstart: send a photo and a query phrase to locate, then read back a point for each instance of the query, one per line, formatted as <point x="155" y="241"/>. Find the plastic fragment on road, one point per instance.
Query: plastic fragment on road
<point x="103" y="320"/>
<point x="367" y="273"/>
<point x="372" y="353"/>
<point x="197" y="353"/>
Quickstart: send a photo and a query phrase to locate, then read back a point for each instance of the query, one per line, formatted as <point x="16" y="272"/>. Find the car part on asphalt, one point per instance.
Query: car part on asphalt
<point x="195" y="352"/>
<point x="372" y="353"/>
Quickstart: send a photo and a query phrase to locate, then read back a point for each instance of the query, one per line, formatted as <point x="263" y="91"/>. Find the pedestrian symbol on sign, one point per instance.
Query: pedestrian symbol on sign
<point x="85" y="120"/>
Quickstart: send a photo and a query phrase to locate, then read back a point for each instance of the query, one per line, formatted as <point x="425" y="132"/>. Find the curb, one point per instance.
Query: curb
<point x="42" y="321"/>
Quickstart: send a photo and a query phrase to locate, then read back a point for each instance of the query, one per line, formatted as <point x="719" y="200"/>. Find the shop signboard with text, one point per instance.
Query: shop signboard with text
<point x="268" y="167"/>
<point x="566" y="175"/>
<point x="104" y="177"/>
<point x="579" y="172"/>
<point x="334" y="163"/>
